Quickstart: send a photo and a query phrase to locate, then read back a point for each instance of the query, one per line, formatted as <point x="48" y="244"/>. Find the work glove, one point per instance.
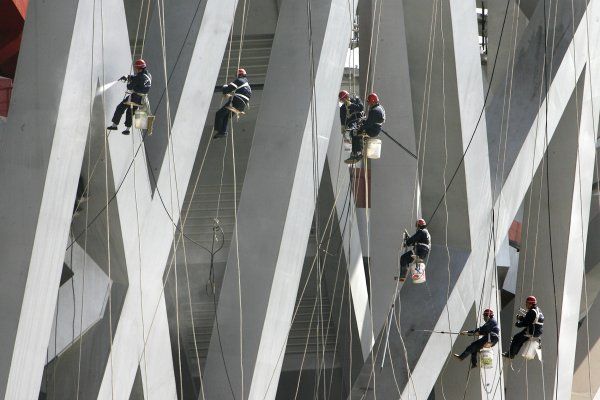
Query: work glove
<point x="465" y="333"/>
<point x="123" y="79"/>
<point x="519" y="317"/>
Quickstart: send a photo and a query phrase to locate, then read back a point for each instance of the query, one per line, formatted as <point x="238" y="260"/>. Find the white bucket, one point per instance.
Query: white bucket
<point x="530" y="349"/>
<point x="373" y="148"/>
<point x="486" y="358"/>
<point x="140" y="120"/>
<point x="417" y="272"/>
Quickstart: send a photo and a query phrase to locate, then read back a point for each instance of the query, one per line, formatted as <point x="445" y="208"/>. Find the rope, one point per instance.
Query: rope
<point x="108" y="253"/>
<point x="139" y="246"/>
<point x="444" y="185"/>
<point x="86" y="192"/>
<point x="546" y="79"/>
<point x="598" y="177"/>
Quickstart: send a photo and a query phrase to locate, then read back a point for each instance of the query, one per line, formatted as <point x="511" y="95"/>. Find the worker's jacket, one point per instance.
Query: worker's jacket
<point x="350" y="113"/>
<point x="533" y="322"/>
<point x="490" y="329"/>
<point x="240" y="89"/>
<point x="139" y="84"/>
<point x="421" y="240"/>
<point x="375" y="119"/>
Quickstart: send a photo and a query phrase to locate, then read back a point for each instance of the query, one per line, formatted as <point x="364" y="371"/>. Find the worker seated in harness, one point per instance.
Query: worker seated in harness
<point x="421" y="242"/>
<point x="239" y="93"/>
<point x="138" y="86"/>
<point x="371" y="126"/>
<point x="351" y="111"/>
<point x="533" y="322"/>
<point x="490" y="335"/>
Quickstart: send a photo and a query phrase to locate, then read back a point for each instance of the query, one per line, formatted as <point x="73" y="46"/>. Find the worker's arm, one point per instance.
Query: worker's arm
<point x="231" y="87"/>
<point x="527" y="320"/>
<point x="418" y="237"/>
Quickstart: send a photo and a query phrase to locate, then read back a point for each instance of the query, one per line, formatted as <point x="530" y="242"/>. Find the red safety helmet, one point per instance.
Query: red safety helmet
<point x="141" y="64"/>
<point x="420" y="223"/>
<point x="241" y="72"/>
<point x="372" y="98"/>
<point x="343" y="95"/>
<point x="488" y="312"/>
<point x="531" y="300"/>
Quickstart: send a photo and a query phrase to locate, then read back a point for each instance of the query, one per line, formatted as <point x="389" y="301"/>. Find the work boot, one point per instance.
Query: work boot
<point x="457" y="356"/>
<point x="219" y="135"/>
<point x="353" y="159"/>
<point x="113" y="127"/>
<point x="126" y="131"/>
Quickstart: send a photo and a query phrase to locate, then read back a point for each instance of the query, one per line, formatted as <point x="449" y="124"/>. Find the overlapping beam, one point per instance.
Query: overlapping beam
<point x="257" y="298"/>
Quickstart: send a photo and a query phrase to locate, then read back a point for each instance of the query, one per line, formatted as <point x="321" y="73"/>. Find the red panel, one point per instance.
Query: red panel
<point x="514" y="234"/>
<point x="5" y="91"/>
<point x="358" y="184"/>
<point x="21" y="6"/>
<point x="12" y="20"/>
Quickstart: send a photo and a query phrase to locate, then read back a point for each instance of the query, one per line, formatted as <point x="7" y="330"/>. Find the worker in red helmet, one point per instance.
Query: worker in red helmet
<point x="138" y="86"/>
<point x="239" y="93"/>
<point x="371" y="127"/>
<point x="351" y="111"/>
<point x="421" y="243"/>
<point x="490" y="335"/>
<point x="533" y="324"/>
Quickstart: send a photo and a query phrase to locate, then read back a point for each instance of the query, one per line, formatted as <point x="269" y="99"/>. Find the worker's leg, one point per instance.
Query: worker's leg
<point x="129" y="115"/>
<point x="119" y="112"/>
<point x="405" y="261"/>
<point x="357" y="144"/>
<point x="517" y="342"/>
<point x="473" y="349"/>
<point x="221" y="117"/>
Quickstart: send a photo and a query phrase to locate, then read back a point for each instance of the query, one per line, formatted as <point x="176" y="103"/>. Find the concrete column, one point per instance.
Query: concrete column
<point x="587" y="367"/>
<point x="340" y="180"/>
<point x="275" y="232"/>
<point x="157" y="216"/>
<point x="43" y="145"/>
<point x="557" y="281"/>
<point x="462" y="88"/>
<point x="393" y="175"/>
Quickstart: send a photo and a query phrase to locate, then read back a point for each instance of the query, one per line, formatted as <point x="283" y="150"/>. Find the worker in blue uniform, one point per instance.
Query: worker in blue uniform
<point x="533" y="322"/>
<point x="490" y="335"/>
<point x="371" y="126"/>
<point x="351" y="110"/>
<point x="421" y="242"/>
<point x="138" y="86"/>
<point x="239" y="93"/>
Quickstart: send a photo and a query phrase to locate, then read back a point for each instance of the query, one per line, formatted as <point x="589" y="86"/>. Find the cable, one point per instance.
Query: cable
<point x="410" y="153"/>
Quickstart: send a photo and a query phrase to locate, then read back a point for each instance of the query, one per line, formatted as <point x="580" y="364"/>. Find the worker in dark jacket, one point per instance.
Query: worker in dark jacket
<point x="490" y="335"/>
<point x="239" y="93"/>
<point x="351" y="110"/>
<point x="421" y="242"/>
<point x="371" y="127"/>
<point x="138" y="85"/>
<point x="533" y="322"/>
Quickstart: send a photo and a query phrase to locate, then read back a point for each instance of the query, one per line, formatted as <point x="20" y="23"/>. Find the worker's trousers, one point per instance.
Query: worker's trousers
<point x="124" y="108"/>
<point x="477" y="345"/>
<point x="517" y="342"/>
<point x="223" y="115"/>
<point x="357" y="139"/>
